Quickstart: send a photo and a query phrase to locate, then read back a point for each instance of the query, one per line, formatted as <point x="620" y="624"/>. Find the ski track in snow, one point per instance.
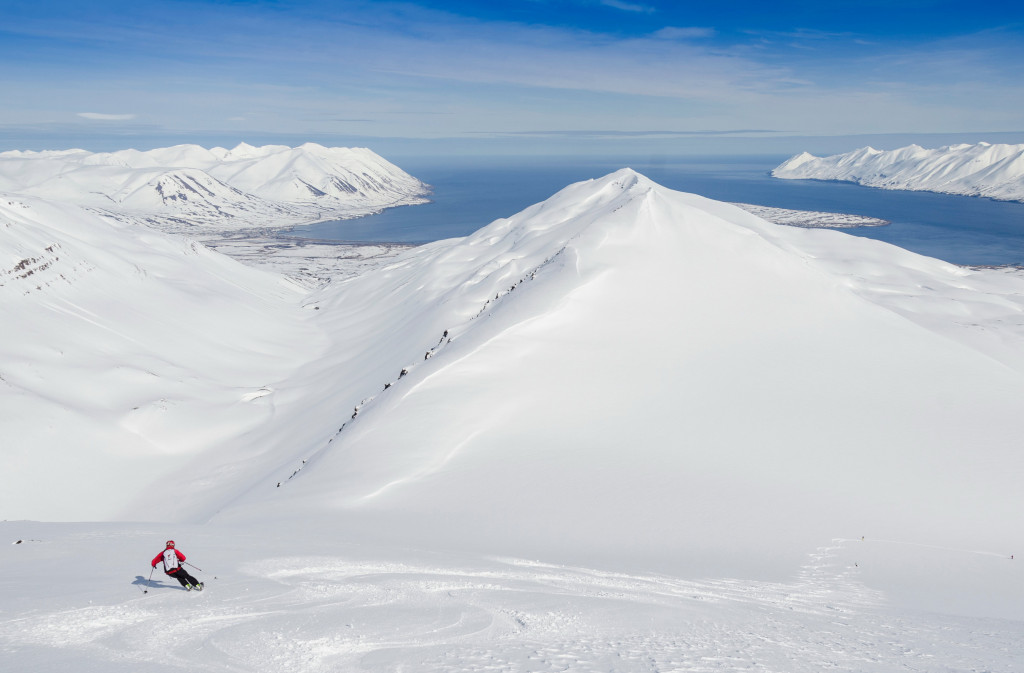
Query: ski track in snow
<point x="313" y="614"/>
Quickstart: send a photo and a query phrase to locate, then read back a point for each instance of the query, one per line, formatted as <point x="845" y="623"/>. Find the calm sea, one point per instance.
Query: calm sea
<point x="469" y="194"/>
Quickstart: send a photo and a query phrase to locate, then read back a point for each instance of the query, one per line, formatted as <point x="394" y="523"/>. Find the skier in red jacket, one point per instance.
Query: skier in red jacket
<point x="172" y="560"/>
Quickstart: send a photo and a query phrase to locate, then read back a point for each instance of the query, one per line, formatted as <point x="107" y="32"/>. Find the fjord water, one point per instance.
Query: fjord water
<point x="470" y="193"/>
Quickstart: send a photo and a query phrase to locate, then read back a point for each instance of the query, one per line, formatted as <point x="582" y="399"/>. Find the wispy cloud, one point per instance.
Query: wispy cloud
<point x="628" y="6"/>
<point x="803" y="34"/>
<point x="408" y="70"/>
<point x="101" y="116"/>
<point x="677" y="33"/>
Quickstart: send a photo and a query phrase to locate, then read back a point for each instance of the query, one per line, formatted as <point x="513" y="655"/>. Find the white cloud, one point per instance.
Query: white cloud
<point x="106" y="117"/>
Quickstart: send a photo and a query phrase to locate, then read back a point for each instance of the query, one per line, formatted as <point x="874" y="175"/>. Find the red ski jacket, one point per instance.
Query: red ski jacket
<point x="171" y="558"/>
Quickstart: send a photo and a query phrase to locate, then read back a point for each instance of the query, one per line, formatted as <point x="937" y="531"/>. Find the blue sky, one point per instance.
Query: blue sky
<point x="536" y="73"/>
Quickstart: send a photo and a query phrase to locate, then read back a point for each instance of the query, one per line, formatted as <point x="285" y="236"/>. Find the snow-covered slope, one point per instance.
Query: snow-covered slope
<point x="620" y="352"/>
<point x="995" y="171"/>
<point x="625" y="429"/>
<point x="124" y="353"/>
<point x="634" y="373"/>
<point x="188" y="186"/>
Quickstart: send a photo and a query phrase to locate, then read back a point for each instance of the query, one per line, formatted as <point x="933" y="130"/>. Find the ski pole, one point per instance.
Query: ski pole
<point x="196" y="567"/>
<point x="146" y="591"/>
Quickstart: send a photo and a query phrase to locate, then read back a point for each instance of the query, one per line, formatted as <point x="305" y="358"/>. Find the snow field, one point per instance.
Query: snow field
<point x="372" y="609"/>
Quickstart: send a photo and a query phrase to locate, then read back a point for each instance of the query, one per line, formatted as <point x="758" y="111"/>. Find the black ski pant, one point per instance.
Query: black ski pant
<point x="182" y="576"/>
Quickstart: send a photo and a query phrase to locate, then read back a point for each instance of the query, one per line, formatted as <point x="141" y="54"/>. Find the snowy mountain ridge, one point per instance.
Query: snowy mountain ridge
<point x="993" y="171"/>
<point x="631" y="312"/>
<point x="186" y="187"/>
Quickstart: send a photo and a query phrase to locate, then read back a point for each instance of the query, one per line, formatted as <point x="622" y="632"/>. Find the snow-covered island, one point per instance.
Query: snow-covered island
<point x="993" y="171"/>
<point x="627" y="428"/>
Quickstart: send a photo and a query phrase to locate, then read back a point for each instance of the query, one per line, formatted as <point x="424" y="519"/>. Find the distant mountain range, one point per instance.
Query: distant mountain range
<point x="187" y="186"/>
<point x="993" y="171"/>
